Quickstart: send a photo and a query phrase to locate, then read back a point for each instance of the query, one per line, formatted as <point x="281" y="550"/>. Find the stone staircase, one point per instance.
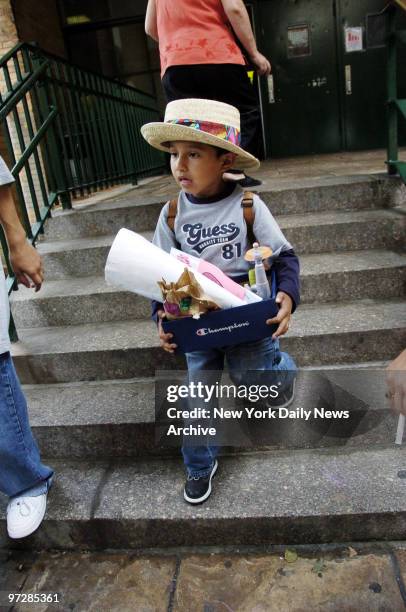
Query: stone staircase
<point x="88" y="353"/>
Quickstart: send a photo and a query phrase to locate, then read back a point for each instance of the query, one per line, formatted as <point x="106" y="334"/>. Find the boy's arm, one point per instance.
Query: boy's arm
<point x="286" y="268"/>
<point x="24" y="259"/>
<point x="284" y="262"/>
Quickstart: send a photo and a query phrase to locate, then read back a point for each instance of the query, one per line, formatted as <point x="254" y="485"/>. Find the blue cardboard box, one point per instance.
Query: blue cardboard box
<point x="223" y="327"/>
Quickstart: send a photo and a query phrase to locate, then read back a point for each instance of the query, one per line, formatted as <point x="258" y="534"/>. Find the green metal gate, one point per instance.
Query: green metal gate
<point x="68" y="133"/>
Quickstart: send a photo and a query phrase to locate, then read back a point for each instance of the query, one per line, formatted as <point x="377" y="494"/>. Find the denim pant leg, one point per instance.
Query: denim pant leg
<point x="205" y="367"/>
<point x="246" y="360"/>
<point x="20" y="464"/>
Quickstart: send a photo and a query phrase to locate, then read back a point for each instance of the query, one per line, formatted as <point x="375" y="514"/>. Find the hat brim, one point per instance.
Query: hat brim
<point x="159" y="134"/>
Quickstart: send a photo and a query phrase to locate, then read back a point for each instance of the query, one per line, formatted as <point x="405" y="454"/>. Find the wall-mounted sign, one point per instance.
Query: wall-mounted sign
<point x="353" y="39"/>
<point x="299" y="41"/>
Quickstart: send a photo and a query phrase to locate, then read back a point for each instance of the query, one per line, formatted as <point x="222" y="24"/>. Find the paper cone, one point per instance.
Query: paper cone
<point x="136" y="265"/>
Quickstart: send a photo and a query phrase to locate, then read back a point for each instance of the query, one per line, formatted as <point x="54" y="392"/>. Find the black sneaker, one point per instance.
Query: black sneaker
<point x="234" y="175"/>
<point x="238" y="176"/>
<point x="198" y="489"/>
<point x="249" y="181"/>
<point x="285" y="397"/>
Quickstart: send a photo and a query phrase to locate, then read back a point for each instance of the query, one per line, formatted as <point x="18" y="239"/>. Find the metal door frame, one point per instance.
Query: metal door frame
<point x="340" y="69"/>
<point x="251" y="6"/>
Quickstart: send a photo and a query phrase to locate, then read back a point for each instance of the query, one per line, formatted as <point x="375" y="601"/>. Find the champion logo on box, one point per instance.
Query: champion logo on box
<point x="204" y="331"/>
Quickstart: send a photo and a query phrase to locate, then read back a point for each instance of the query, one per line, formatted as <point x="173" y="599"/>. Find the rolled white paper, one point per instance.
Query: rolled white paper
<point x="400" y="429"/>
<point x="135" y="264"/>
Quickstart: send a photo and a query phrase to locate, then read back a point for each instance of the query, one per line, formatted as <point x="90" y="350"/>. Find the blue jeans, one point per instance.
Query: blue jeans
<point x="20" y="465"/>
<point x="244" y="362"/>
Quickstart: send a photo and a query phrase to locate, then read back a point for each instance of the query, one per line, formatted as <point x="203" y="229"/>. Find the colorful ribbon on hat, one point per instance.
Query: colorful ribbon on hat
<point x="225" y="132"/>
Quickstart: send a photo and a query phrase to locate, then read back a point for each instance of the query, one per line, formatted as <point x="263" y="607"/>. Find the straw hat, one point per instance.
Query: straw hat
<point x="197" y="120"/>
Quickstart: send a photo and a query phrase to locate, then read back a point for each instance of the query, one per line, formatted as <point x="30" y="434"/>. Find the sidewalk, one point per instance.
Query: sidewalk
<point x="349" y="578"/>
<point x="275" y="173"/>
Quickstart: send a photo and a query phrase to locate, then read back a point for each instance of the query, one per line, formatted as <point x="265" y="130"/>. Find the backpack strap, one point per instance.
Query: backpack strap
<point x="172" y="211"/>
<point x="247" y="204"/>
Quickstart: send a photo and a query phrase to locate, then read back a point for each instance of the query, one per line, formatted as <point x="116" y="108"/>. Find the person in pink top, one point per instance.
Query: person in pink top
<point x="200" y="58"/>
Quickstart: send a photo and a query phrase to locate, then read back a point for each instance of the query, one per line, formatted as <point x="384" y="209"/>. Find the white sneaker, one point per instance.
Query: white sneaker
<point x="25" y="515"/>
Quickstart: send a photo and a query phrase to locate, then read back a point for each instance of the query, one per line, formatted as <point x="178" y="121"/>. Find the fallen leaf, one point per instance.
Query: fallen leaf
<point x="319" y="566"/>
<point x="290" y="555"/>
<point x="352" y="552"/>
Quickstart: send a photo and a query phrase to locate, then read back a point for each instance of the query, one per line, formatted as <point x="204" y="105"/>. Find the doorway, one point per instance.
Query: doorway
<point x="327" y="91"/>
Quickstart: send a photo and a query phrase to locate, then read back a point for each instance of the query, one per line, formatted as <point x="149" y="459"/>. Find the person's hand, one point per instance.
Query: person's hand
<point x="263" y="66"/>
<point x="165" y="338"/>
<point x="396" y="383"/>
<point x="282" y="319"/>
<point x="26" y="264"/>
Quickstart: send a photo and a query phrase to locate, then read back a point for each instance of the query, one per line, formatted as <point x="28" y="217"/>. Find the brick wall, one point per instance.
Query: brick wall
<point x="8" y="32"/>
<point x="8" y="38"/>
<point x="38" y="20"/>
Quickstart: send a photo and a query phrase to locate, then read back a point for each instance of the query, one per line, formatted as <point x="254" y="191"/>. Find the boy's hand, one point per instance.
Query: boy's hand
<point x="283" y="316"/>
<point x="165" y="338"/>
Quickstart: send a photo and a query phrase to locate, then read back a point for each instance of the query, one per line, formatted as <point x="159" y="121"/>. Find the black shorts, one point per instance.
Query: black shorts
<point x="223" y="82"/>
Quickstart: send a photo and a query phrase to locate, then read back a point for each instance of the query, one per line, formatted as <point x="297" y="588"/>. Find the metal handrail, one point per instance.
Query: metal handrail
<point x="396" y="106"/>
<point x="69" y="132"/>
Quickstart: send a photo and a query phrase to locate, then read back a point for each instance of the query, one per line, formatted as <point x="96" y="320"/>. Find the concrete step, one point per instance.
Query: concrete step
<point x="76" y="257"/>
<point x="73" y="301"/>
<point x="117" y="418"/>
<point x="345" y="231"/>
<point x="139" y="209"/>
<point x="325" y="278"/>
<point x="309" y="233"/>
<point x="346" y="276"/>
<point x="304" y="497"/>
<point x="364" y="330"/>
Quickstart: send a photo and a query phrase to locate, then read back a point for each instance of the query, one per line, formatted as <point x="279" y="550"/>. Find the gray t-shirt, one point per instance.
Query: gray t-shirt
<point x="5" y="179"/>
<point x="217" y="231"/>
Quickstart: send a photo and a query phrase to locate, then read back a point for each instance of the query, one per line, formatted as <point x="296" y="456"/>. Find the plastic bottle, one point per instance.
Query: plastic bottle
<point x="262" y="284"/>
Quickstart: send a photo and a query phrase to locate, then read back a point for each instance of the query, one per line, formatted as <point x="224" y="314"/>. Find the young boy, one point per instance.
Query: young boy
<point x="202" y="137"/>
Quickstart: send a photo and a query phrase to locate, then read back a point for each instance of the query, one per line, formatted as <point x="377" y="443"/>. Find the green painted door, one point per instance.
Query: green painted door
<point x="361" y="32"/>
<point x="328" y="88"/>
<point x="301" y="100"/>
